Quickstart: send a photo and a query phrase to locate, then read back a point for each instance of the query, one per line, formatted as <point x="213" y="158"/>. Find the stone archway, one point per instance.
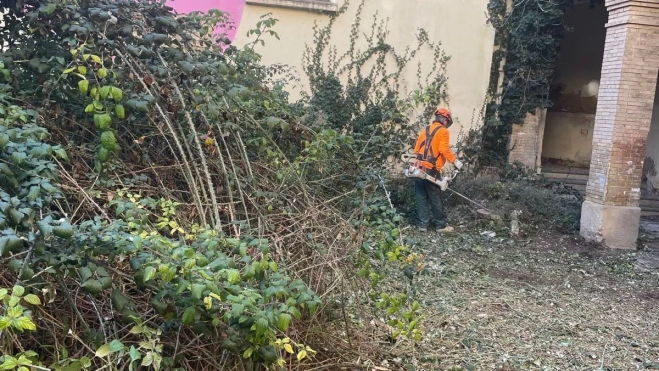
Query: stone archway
<point x="611" y="212"/>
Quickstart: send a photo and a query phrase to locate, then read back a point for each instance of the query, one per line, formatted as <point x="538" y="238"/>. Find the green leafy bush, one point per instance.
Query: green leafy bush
<point x="157" y="192"/>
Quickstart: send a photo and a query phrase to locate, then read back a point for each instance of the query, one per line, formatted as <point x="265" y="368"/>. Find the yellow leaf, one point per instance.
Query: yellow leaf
<point x="69" y="70"/>
<point x="82" y="70"/>
<point x="208" y="302"/>
<point x="248" y="352"/>
<point x="96" y="59"/>
<point x="288" y="348"/>
<point x="24" y="323"/>
<point x="301" y="355"/>
<point x="32" y="299"/>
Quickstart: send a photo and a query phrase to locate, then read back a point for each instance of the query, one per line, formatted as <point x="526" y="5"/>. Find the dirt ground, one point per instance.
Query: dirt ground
<point x="546" y="302"/>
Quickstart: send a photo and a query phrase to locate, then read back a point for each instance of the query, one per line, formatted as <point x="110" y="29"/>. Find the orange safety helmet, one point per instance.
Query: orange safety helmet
<point x="443" y="116"/>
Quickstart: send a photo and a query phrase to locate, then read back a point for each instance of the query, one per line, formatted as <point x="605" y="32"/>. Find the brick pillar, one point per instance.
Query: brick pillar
<point x="610" y="214"/>
<point x="526" y="139"/>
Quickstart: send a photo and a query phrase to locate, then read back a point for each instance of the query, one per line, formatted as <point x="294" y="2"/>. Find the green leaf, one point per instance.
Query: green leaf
<point x="103" y="155"/>
<point x="103" y="350"/>
<point x="17" y="158"/>
<point x="137" y="329"/>
<point x="248" y="352"/>
<point x="10" y="363"/>
<point x="85" y="273"/>
<point x="149" y="273"/>
<point x="134" y="354"/>
<point x="148" y="360"/>
<point x="108" y="141"/>
<point x="82" y="70"/>
<point x="120" y="111"/>
<point x="117" y="94"/>
<point x="262" y="325"/>
<point x="272" y="121"/>
<point x="233" y="276"/>
<point x="295" y="312"/>
<point x="32" y="299"/>
<point x="69" y="70"/>
<point x="93" y="287"/>
<point x="116" y="346"/>
<point x="189" y="315"/>
<point x="65" y="230"/>
<point x="119" y="300"/>
<point x="106" y="282"/>
<point x="102" y="73"/>
<point x="4" y="322"/>
<point x="18" y="290"/>
<point x="25" y="323"/>
<point x="102" y="122"/>
<point x="13" y="301"/>
<point x="284" y="321"/>
<point x="34" y="193"/>
<point x="85" y="362"/>
<point x="73" y="366"/>
<point x="105" y="92"/>
<point x="83" y="86"/>
<point x="61" y="153"/>
<point x="3" y="293"/>
<point x="197" y="290"/>
<point x="159" y="306"/>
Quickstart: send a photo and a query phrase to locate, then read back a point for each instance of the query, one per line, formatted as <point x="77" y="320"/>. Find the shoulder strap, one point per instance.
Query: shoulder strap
<point x="428" y="141"/>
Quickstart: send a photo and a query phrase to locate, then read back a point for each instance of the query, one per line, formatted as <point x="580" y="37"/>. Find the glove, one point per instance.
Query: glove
<point x="458" y="164"/>
<point x="447" y="170"/>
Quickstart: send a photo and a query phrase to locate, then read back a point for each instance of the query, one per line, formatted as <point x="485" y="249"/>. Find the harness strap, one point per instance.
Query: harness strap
<point x="427" y="143"/>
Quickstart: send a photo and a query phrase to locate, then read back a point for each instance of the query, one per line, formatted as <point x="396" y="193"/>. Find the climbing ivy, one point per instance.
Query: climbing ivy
<point x="360" y="91"/>
<point x="527" y="38"/>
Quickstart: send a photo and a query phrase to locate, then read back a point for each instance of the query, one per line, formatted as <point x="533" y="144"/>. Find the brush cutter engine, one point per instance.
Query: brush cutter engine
<point x="415" y="170"/>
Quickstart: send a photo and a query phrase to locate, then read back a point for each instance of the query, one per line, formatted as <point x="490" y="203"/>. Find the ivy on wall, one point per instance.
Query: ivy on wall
<point x="527" y="38"/>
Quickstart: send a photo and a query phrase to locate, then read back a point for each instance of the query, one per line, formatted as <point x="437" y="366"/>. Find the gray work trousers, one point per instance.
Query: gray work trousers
<point x="429" y="201"/>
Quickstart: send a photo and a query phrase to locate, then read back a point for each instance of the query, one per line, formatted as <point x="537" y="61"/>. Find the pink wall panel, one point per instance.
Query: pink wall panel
<point x="233" y="7"/>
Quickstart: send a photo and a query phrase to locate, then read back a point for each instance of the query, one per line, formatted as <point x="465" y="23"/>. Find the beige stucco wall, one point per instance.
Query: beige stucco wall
<point x="459" y="25"/>
<point x="569" y="136"/>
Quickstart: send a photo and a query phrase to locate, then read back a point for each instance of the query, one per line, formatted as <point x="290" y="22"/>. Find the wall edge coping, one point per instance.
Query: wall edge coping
<point x="309" y="5"/>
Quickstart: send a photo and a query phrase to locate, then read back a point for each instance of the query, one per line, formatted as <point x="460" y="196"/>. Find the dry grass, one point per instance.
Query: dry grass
<point x="546" y="303"/>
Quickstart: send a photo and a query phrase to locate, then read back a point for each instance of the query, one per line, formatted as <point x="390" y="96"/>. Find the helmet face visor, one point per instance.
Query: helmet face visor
<point x="443" y="116"/>
<point x="446" y="121"/>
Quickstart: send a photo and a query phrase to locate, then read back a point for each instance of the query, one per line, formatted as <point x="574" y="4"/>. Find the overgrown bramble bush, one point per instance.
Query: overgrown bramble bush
<point x="186" y="215"/>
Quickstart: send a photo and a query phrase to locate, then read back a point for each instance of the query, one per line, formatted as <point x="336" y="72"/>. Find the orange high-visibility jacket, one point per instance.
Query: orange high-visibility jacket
<point x="439" y="146"/>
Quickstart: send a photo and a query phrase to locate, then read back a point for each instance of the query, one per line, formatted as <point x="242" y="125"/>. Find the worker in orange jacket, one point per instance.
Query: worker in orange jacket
<point x="435" y="156"/>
